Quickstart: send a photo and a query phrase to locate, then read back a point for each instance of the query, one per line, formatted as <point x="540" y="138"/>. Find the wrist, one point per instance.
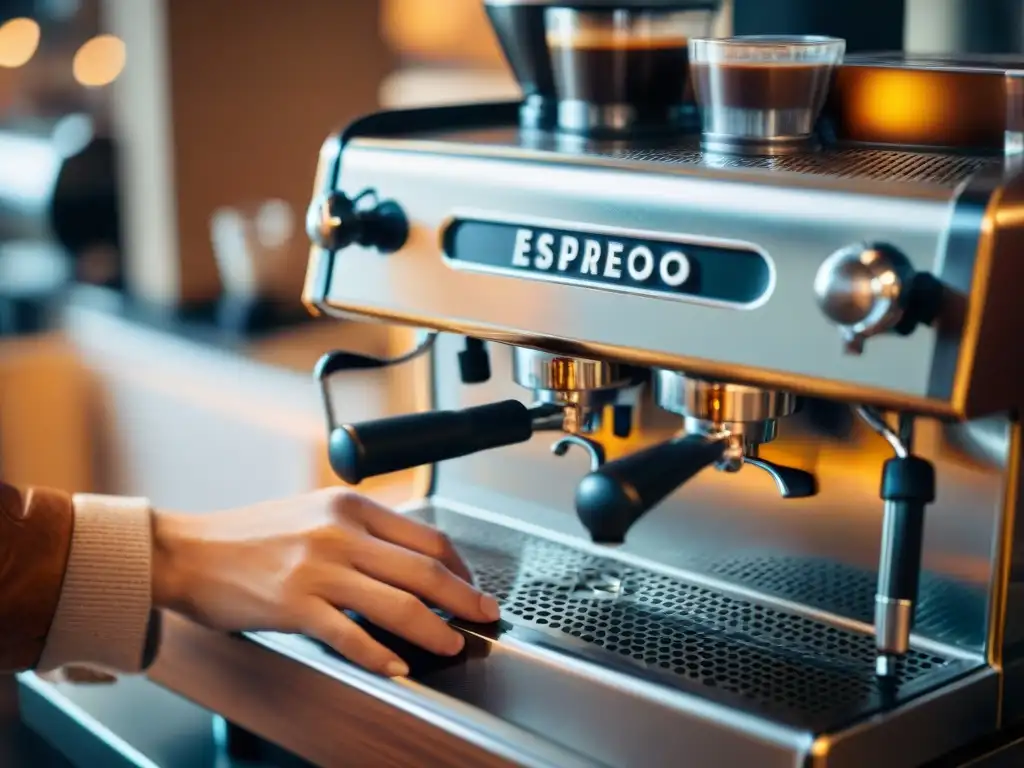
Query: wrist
<point x="171" y="541"/>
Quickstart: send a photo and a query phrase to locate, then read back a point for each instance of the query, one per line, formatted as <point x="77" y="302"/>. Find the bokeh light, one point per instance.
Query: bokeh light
<point x="19" y="39"/>
<point x="99" y="61"/>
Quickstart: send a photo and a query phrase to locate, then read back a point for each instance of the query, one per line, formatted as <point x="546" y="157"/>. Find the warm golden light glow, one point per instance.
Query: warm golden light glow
<point x="19" y="39"/>
<point x="441" y="30"/>
<point x="965" y="110"/>
<point x="99" y="61"/>
<point x="902" y="105"/>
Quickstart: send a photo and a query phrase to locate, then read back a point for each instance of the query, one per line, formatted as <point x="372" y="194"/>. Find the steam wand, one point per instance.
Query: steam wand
<point x="908" y="486"/>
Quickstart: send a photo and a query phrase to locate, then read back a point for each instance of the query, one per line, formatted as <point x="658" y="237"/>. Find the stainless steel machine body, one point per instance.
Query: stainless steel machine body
<point x="734" y="625"/>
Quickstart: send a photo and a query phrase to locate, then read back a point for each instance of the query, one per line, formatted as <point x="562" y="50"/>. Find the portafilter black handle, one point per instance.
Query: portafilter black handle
<point x="611" y="499"/>
<point x="371" y="448"/>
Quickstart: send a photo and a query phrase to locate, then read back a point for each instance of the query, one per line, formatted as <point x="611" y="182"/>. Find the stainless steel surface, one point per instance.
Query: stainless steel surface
<point x="859" y="289"/>
<point x="581" y="116"/>
<point x="947" y="171"/>
<point x="733" y="626"/>
<point x="821" y="552"/>
<point x="582" y="388"/>
<point x="131" y="724"/>
<point x="537" y="370"/>
<point x="800" y="211"/>
<point x="632" y="666"/>
<point x="727" y="132"/>
<point x="719" y="402"/>
<point x="893" y="619"/>
<point x="324" y="221"/>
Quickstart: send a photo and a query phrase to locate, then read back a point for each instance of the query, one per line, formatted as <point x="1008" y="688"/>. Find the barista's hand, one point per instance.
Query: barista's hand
<point x="289" y="566"/>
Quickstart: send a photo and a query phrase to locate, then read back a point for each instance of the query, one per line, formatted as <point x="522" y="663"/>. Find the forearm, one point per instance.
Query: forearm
<point x="84" y="566"/>
<point x="36" y="528"/>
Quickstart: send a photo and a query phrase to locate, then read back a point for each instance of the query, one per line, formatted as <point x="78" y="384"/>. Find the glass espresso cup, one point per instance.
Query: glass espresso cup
<point x="762" y="94"/>
<point x="618" y="71"/>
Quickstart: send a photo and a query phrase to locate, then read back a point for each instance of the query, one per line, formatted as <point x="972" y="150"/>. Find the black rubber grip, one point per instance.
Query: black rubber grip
<point x="359" y="451"/>
<point x="610" y="500"/>
<point x="909" y="479"/>
<point x="909" y="486"/>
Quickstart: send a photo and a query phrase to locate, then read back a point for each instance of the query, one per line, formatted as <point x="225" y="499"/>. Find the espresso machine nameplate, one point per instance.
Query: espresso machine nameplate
<point x="699" y="270"/>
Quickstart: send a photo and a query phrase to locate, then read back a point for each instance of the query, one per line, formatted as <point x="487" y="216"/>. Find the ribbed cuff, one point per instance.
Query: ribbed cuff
<point x="103" y="618"/>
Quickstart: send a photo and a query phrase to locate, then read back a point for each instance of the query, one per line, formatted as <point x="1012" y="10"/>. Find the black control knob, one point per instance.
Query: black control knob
<point x="334" y="222"/>
<point x="610" y="500"/>
<point x="371" y="448"/>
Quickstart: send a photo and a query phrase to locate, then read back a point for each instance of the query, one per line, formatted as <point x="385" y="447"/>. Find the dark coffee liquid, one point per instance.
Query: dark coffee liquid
<point x="649" y="75"/>
<point x="767" y="85"/>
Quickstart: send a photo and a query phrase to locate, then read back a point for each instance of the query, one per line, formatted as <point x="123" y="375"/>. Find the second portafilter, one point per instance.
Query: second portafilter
<point x="724" y="426"/>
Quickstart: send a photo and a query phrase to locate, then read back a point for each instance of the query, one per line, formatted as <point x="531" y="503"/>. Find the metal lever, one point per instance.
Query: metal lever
<point x="792" y="483"/>
<point x="610" y="500"/>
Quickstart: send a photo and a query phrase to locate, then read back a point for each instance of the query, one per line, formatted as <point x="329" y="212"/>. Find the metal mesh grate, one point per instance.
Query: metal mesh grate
<point x="887" y="165"/>
<point x="774" y="659"/>
<point x="946" y="610"/>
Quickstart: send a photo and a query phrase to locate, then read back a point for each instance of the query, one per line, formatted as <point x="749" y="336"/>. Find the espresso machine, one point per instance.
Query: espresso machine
<point x="717" y="341"/>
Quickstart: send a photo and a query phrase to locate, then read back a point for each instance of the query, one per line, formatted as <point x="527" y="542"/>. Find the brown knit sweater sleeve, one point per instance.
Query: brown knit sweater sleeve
<point x="75" y="581"/>
<point x="36" y="527"/>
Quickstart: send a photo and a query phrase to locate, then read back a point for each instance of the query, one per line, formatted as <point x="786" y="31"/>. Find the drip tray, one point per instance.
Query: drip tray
<point x="628" y="666"/>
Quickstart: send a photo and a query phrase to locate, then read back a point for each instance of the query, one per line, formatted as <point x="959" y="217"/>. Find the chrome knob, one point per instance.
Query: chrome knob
<point x="862" y="289"/>
<point x="334" y="222"/>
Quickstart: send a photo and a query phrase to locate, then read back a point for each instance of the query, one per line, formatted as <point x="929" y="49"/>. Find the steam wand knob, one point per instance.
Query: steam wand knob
<point x="612" y="499"/>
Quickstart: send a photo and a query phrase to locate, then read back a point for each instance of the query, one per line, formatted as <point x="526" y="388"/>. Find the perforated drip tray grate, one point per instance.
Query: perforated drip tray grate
<point x="799" y="671"/>
<point x="947" y="611"/>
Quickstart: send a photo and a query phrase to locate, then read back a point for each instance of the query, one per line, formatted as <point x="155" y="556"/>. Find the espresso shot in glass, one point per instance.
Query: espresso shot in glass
<point x="762" y="94"/>
<point x="621" y="72"/>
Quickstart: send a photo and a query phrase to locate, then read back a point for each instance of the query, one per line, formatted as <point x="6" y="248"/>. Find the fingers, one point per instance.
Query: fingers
<point x="327" y="624"/>
<point x="392" y="609"/>
<point x="411" y="534"/>
<point x="425" y="577"/>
